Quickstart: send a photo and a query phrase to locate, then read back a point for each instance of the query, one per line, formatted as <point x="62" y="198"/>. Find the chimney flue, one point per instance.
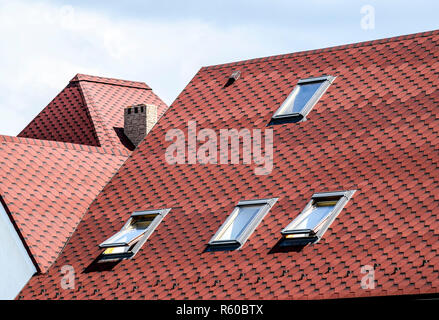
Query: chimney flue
<point x="138" y="121"/>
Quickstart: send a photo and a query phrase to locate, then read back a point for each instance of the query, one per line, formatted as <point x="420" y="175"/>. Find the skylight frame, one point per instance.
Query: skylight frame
<point x="326" y="82"/>
<point x="239" y="241"/>
<point x="319" y="230"/>
<point x="135" y="244"/>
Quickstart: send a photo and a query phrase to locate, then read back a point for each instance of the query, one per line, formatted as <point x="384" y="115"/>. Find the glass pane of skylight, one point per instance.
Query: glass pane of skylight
<point x="240" y="222"/>
<point x="116" y="250"/>
<point x="127" y="235"/>
<point x="311" y="220"/>
<point x="137" y="227"/>
<point x="143" y="222"/>
<point x="300" y="96"/>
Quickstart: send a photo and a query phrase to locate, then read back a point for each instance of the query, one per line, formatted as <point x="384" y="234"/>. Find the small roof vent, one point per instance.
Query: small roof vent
<point x="233" y="77"/>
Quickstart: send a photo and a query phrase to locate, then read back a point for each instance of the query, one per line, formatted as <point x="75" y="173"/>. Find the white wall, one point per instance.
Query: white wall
<point x="16" y="267"/>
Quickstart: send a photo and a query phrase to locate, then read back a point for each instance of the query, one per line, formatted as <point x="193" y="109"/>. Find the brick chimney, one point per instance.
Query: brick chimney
<point x="138" y="121"/>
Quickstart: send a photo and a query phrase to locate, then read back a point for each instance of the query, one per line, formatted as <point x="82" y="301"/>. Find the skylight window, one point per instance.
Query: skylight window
<point x="133" y="234"/>
<point x="241" y="223"/>
<point x="315" y="219"/>
<point x="303" y="97"/>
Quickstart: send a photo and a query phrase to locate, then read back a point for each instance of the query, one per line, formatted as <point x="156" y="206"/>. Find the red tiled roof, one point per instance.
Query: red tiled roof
<point x="375" y="130"/>
<point x="90" y="111"/>
<point x="51" y="173"/>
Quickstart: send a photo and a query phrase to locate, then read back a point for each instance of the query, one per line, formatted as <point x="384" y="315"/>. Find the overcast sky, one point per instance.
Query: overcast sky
<point x="164" y="43"/>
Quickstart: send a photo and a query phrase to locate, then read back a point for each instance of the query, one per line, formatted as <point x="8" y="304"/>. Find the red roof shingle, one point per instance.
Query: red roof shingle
<point x="374" y="130"/>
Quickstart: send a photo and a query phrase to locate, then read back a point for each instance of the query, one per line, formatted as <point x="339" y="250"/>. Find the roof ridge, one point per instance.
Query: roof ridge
<point x="111" y="81"/>
<point x="64" y="145"/>
<point x="327" y="49"/>
<point x="98" y="123"/>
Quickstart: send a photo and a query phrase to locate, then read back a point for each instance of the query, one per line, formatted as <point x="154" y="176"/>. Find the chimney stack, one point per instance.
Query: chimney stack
<point x="138" y="121"/>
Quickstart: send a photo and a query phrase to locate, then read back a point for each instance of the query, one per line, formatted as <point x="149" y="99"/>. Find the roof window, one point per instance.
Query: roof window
<point x="133" y="234"/>
<point x="315" y="219"/>
<point x="303" y="97"/>
<point x="241" y="223"/>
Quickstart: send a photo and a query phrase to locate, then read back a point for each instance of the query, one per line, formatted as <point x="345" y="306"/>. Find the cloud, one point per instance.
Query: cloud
<point x="44" y="45"/>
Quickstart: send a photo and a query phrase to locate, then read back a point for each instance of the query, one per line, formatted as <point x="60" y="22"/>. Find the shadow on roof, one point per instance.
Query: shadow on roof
<point x="124" y="139"/>
<point x="277" y="121"/>
<point x="282" y="246"/>
<point x="98" y="266"/>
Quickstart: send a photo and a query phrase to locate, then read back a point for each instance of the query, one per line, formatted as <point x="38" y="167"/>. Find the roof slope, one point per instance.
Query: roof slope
<point x="47" y="187"/>
<point x="375" y="130"/>
<point x="90" y="111"/>
<point x="51" y="173"/>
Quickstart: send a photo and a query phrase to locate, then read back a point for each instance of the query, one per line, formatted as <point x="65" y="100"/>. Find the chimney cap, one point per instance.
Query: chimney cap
<point x="142" y="106"/>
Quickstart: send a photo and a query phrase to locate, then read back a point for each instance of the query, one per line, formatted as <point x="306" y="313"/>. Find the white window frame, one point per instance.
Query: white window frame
<point x="317" y="233"/>
<point x="266" y="205"/>
<point x="109" y="243"/>
<point x="327" y="81"/>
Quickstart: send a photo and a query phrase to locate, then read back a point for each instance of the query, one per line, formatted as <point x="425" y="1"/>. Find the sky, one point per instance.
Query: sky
<point x="164" y="43"/>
